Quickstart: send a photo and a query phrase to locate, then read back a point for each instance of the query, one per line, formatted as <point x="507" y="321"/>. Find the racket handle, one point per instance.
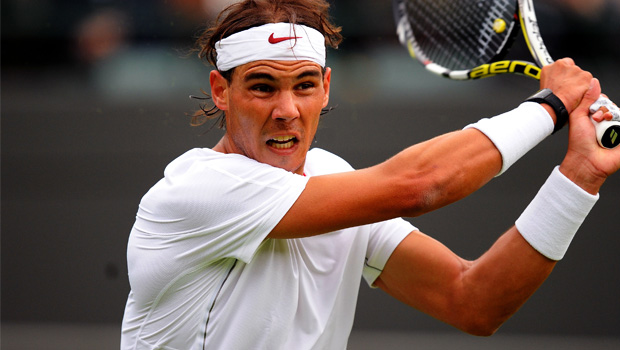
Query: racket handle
<point x="607" y="133"/>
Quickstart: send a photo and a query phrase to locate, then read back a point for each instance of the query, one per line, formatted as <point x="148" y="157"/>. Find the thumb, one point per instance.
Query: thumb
<point x="589" y="97"/>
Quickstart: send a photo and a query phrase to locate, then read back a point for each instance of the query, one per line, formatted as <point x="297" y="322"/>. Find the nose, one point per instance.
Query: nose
<point x="286" y="107"/>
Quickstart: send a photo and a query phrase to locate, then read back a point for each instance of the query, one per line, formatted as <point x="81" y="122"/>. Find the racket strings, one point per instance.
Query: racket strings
<point x="457" y="35"/>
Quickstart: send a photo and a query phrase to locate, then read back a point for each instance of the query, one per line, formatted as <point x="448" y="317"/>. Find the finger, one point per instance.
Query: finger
<point x="606" y="106"/>
<point x="589" y="98"/>
<point x="608" y="116"/>
<point x="598" y="116"/>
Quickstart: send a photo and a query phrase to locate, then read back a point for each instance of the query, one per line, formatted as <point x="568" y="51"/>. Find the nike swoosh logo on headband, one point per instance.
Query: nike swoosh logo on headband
<point x="273" y="40"/>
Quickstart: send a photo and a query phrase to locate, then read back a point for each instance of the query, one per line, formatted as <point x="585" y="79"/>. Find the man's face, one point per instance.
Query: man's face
<point x="272" y="110"/>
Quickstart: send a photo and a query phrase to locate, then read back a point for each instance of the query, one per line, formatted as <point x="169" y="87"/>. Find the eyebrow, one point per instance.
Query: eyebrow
<point x="309" y="73"/>
<point x="259" y="76"/>
<point x="267" y="76"/>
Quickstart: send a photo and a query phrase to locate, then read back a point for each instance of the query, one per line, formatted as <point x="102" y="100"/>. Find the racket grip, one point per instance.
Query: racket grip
<point x="607" y="133"/>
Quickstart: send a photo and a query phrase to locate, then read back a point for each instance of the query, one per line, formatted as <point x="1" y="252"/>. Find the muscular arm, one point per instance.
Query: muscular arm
<point x="478" y="296"/>
<point x="419" y="179"/>
<point x="474" y="296"/>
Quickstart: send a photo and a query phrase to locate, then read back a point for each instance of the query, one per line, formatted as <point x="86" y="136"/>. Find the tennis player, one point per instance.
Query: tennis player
<point x="260" y="241"/>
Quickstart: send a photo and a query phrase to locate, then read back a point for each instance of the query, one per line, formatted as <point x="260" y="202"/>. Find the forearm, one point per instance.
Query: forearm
<point x="500" y="282"/>
<point x="523" y="257"/>
<point x="473" y="296"/>
<point x="478" y="296"/>
<point x="441" y="171"/>
<point x="453" y="166"/>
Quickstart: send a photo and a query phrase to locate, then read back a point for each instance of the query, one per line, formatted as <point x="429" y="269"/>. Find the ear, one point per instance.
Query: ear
<point x="327" y="78"/>
<point x="219" y="90"/>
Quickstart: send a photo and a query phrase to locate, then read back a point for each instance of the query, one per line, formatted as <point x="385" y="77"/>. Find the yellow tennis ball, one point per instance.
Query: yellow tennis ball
<point x="499" y="25"/>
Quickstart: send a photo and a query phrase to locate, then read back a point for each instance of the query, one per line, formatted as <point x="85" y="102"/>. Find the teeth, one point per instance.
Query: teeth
<point x="282" y="142"/>
<point x="283" y="138"/>
<point x="283" y="145"/>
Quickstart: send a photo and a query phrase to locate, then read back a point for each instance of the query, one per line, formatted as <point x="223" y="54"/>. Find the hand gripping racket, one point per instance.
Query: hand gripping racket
<point x="467" y="39"/>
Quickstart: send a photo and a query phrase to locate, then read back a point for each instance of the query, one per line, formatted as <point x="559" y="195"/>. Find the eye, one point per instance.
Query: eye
<point x="262" y="88"/>
<point x="305" y="85"/>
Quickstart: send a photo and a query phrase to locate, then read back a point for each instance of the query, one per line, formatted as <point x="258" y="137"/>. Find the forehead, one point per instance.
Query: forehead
<point x="278" y="69"/>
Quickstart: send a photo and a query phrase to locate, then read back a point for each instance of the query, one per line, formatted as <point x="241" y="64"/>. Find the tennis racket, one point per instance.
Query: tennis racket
<point x="468" y="39"/>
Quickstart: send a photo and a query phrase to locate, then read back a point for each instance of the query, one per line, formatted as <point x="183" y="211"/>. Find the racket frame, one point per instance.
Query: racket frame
<point x="531" y="33"/>
<point x="607" y="132"/>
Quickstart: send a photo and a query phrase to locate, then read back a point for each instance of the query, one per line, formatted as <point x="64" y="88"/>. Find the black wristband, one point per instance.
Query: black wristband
<point x="547" y="96"/>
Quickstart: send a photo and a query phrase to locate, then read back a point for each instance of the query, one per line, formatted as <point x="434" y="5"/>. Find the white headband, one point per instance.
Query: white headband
<point x="274" y="41"/>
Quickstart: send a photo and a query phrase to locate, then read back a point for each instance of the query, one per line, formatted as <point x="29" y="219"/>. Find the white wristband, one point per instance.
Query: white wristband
<point x="516" y="132"/>
<point x="551" y="220"/>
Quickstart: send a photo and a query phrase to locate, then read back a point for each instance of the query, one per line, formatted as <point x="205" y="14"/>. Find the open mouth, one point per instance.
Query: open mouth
<point x="282" y="142"/>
